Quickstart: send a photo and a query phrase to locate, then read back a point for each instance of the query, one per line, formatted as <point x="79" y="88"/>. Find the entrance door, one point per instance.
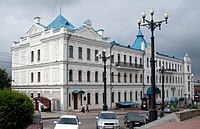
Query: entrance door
<point x="75" y="101"/>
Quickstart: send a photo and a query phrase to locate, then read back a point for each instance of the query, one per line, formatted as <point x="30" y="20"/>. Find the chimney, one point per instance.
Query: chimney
<point x="37" y="20"/>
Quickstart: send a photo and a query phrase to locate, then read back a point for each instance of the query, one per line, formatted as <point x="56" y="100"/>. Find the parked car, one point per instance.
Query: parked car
<point x="107" y="120"/>
<point x="135" y="117"/>
<point x="67" y="122"/>
<point x="37" y="121"/>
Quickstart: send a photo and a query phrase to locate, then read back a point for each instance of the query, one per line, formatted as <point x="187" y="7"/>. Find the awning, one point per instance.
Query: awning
<point x="149" y="91"/>
<point x="78" y="91"/>
<point x="126" y="104"/>
<point x="174" y="99"/>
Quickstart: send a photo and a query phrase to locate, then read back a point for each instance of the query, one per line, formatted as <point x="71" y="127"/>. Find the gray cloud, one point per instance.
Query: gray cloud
<point x="118" y="18"/>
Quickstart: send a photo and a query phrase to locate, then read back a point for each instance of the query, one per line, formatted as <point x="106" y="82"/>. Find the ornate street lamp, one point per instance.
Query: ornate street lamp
<point x="104" y="59"/>
<point x="151" y="24"/>
<point x="163" y="91"/>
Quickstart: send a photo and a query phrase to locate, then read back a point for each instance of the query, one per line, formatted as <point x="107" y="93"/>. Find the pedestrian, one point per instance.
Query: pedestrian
<point x="83" y="109"/>
<point x="42" y="108"/>
<point x="87" y="108"/>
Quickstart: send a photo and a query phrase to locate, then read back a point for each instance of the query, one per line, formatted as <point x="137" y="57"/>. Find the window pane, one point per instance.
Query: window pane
<point x="88" y="54"/>
<point x="71" y="51"/>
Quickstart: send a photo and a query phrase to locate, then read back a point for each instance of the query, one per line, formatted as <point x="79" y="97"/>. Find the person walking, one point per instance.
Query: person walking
<point x="87" y="108"/>
<point x="83" y="109"/>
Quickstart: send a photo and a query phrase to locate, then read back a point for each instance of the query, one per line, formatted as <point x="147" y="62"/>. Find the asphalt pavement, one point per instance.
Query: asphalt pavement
<point x="167" y="122"/>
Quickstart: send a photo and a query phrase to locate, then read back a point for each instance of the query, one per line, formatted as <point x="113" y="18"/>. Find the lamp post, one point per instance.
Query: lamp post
<point x="163" y="92"/>
<point x="104" y="59"/>
<point x="151" y="24"/>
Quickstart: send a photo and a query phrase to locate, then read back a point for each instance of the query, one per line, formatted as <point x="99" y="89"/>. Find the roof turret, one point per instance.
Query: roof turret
<point x="59" y="22"/>
<point x="139" y="40"/>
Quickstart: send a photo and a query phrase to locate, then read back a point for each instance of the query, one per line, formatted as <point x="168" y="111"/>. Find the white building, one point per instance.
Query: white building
<point x="59" y="62"/>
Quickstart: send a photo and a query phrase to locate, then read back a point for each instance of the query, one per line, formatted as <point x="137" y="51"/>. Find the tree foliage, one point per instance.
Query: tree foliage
<point x="5" y="80"/>
<point x="16" y="110"/>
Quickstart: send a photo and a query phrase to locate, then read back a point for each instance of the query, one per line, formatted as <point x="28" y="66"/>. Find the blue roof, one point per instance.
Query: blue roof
<point x="59" y="22"/>
<point x="41" y="25"/>
<point x="138" y="41"/>
<point x="81" y="27"/>
<point x="161" y="54"/>
<point x="117" y="44"/>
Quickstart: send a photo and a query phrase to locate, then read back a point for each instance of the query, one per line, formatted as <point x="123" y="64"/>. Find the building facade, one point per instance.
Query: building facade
<point x="59" y="62"/>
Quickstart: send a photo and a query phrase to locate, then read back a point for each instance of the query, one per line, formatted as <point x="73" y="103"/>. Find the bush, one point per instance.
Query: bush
<point x="16" y="110"/>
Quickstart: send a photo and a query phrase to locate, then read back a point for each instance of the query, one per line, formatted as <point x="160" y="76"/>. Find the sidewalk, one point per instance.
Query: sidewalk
<point x="192" y="123"/>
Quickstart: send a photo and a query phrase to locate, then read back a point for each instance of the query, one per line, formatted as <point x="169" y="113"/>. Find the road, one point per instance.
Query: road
<point x="87" y="122"/>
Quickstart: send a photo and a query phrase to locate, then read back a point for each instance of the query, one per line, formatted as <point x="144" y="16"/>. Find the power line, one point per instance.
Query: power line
<point x="52" y="11"/>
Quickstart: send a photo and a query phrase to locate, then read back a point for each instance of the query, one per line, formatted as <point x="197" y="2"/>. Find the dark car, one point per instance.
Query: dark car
<point x="135" y="118"/>
<point x="37" y="121"/>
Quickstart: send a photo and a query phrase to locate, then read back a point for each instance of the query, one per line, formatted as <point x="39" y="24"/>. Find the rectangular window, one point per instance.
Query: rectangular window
<point x="188" y="68"/>
<point x="124" y="59"/>
<point x="125" y="96"/>
<point x="32" y="95"/>
<point x="136" y="78"/>
<point x="130" y="60"/>
<point x="140" y="61"/>
<point x="119" y="97"/>
<point x="130" y="78"/>
<point x="69" y="99"/>
<point x="131" y="96"/>
<point x="147" y="62"/>
<point x="96" y="55"/>
<point x="147" y="79"/>
<point x="112" y="97"/>
<point x="88" y="98"/>
<point x="38" y="55"/>
<point x="71" y="51"/>
<point x="79" y="52"/>
<point x="32" y="77"/>
<point x="38" y="95"/>
<point x="38" y="77"/>
<point x="96" y="98"/>
<point x="118" y="58"/>
<point x="188" y="85"/>
<point x="88" y="54"/>
<point x="141" y="78"/>
<point x="112" y="59"/>
<point x="136" y="61"/>
<point x="32" y="56"/>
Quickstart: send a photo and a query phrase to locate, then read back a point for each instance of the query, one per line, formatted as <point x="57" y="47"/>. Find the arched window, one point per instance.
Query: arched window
<point x="70" y="75"/>
<point x="96" y="76"/>
<point x="88" y="76"/>
<point x="80" y="76"/>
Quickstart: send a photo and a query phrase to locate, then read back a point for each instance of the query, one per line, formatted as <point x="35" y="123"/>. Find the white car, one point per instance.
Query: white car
<point x="107" y="120"/>
<point x="67" y="122"/>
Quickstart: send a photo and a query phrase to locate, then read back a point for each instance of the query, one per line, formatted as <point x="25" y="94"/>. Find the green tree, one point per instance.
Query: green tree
<point x="5" y="80"/>
<point x="16" y="109"/>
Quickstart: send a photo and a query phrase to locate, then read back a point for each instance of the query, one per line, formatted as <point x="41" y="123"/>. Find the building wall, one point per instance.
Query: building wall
<point x="54" y="66"/>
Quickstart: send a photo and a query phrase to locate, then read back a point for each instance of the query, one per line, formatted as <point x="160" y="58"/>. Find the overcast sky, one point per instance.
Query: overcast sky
<point x="118" y="18"/>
